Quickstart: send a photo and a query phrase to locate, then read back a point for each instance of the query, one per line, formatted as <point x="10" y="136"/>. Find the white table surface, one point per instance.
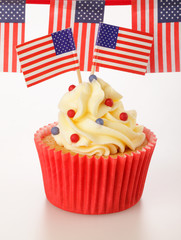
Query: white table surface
<point x="24" y="211"/>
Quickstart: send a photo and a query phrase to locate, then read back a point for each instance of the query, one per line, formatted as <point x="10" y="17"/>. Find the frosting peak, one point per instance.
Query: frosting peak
<point x="100" y="128"/>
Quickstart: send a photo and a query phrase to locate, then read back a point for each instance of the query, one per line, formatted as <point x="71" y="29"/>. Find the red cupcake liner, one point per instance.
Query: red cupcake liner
<point x="91" y="185"/>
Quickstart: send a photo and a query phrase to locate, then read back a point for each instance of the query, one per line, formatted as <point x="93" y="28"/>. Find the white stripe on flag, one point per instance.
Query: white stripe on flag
<point x="172" y="46"/>
<point x="155" y="12"/>
<point x="72" y="14"/>
<point x="139" y="15"/>
<point x="123" y="52"/>
<point x="147" y="15"/>
<point x="52" y="73"/>
<point x="10" y="57"/>
<point x="64" y="14"/>
<point x="180" y="43"/>
<point x="19" y="42"/>
<point x="119" y="65"/>
<point x="2" y="47"/>
<point x="147" y="26"/>
<point x="79" y="40"/>
<point x="164" y="50"/>
<point x="55" y="21"/>
<point x="87" y="46"/>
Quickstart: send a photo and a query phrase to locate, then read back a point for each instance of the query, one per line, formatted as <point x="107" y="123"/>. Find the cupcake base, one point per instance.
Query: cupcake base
<point x="93" y="185"/>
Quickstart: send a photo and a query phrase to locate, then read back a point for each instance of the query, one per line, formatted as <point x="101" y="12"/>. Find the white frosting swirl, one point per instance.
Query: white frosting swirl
<point x="88" y="101"/>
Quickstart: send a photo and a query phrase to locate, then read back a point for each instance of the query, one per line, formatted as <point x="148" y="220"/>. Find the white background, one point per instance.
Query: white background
<point x="24" y="211"/>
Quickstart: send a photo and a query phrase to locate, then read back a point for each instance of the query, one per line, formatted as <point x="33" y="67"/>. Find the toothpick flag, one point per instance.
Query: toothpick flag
<point x="12" y="32"/>
<point x="83" y="17"/>
<point x="122" y="49"/>
<point x="48" y="56"/>
<point x="163" y="19"/>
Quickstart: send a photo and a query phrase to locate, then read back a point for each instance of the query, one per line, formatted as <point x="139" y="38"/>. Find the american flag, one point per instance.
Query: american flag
<point x="163" y="19"/>
<point x="84" y="17"/>
<point x="122" y="49"/>
<point x="12" y="32"/>
<point x="48" y="56"/>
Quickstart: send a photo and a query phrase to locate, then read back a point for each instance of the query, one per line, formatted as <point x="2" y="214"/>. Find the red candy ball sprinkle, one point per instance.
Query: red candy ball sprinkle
<point x="123" y="116"/>
<point x="71" y="87"/>
<point x="71" y="113"/>
<point x="109" y="102"/>
<point x="74" y="138"/>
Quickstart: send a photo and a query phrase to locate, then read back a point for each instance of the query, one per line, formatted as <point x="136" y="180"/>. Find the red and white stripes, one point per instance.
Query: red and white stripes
<point x="166" y="51"/>
<point x="39" y="61"/>
<point x="131" y="53"/>
<point x="62" y="15"/>
<point x="11" y="34"/>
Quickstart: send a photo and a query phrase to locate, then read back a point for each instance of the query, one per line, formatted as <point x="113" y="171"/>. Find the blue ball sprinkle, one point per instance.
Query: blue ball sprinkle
<point x="55" y="130"/>
<point x="92" y="77"/>
<point x="100" y="121"/>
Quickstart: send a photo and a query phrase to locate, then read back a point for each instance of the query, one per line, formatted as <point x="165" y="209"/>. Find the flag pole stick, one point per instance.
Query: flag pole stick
<point x="79" y="76"/>
<point x="93" y="69"/>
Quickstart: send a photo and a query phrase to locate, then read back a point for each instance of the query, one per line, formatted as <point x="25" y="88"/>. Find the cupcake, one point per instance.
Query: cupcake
<point x="95" y="159"/>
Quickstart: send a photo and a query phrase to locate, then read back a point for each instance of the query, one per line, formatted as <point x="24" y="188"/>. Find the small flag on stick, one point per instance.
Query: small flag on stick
<point x="122" y="49"/>
<point x="12" y="33"/>
<point x="48" y="56"/>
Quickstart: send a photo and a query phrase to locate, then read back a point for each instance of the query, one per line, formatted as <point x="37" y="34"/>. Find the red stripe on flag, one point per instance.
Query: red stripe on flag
<point x="168" y="47"/>
<point x="6" y="46"/>
<point x="118" y="68"/>
<point x="91" y="45"/>
<point x="160" y="49"/>
<point x="151" y="27"/>
<point x="23" y="33"/>
<point x="52" y="9"/>
<point x="15" y="42"/>
<point x="134" y="14"/>
<point x="176" y="38"/>
<point x="83" y="42"/>
<point x="68" y="15"/>
<point x="53" y="75"/>
<point x="75" y="33"/>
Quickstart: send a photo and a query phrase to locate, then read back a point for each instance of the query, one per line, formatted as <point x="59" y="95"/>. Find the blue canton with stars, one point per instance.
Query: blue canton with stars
<point x="12" y="11"/>
<point x="107" y="35"/>
<point x="63" y="41"/>
<point x="169" y="11"/>
<point x="88" y="11"/>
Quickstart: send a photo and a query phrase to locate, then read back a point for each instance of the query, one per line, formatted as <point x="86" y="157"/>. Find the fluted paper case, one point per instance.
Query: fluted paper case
<point x="93" y="185"/>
